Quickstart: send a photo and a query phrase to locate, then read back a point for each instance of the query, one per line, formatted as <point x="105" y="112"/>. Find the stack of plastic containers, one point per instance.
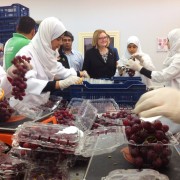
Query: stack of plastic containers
<point x="11" y="167"/>
<point x="45" y="146"/>
<point x="9" y="16"/>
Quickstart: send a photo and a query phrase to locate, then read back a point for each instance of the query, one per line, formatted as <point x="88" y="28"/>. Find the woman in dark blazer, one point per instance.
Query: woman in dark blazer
<point x="100" y="61"/>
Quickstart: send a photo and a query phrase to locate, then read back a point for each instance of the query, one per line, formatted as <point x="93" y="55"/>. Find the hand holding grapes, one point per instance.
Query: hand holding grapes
<point x="163" y="101"/>
<point x="13" y="68"/>
<point x="134" y="65"/>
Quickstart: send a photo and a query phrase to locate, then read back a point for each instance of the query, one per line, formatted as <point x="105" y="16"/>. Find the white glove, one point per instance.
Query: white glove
<point x="121" y="70"/>
<point x="84" y="74"/>
<point x="69" y="81"/>
<point x="138" y="57"/>
<point x="162" y="101"/>
<point x="134" y="65"/>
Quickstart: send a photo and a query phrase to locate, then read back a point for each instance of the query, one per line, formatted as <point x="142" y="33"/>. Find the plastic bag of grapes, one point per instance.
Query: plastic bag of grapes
<point x="135" y="174"/>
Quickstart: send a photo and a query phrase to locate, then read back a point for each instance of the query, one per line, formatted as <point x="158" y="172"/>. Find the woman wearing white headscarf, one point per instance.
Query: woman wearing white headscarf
<point x="134" y="47"/>
<point x="47" y="73"/>
<point x="171" y="72"/>
<point x="170" y="75"/>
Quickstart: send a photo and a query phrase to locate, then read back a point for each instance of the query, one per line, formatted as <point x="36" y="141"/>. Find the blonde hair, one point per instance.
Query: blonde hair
<point x="96" y="36"/>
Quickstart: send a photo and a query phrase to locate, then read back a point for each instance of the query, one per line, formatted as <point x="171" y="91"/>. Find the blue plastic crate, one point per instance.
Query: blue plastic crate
<point x="15" y="10"/>
<point x="8" y="25"/>
<point x="124" y="79"/>
<point x="4" y="36"/>
<point x="123" y="93"/>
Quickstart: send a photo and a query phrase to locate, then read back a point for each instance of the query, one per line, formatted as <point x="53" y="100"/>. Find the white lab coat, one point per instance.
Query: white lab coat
<point x="147" y="64"/>
<point x="170" y="74"/>
<point x="147" y="60"/>
<point x="44" y="62"/>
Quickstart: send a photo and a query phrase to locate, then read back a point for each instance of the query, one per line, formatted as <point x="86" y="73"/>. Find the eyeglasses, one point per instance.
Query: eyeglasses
<point x="67" y="40"/>
<point x="102" y="38"/>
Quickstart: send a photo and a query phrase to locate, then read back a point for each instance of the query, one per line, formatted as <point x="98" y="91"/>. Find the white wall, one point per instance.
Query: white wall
<point x="145" y="19"/>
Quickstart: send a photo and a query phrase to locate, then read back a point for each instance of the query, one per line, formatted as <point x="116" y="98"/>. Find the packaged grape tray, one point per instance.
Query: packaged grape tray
<point x="47" y="135"/>
<point x="135" y="174"/>
<point x="107" y="139"/>
<point x="39" y="156"/>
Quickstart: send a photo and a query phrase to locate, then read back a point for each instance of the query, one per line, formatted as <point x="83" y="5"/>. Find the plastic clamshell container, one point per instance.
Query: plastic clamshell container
<point x="74" y="105"/>
<point x="34" y="112"/>
<point x="57" y="136"/>
<point x="46" y="173"/>
<point x="28" y="110"/>
<point x="100" y="141"/>
<point x="104" y="105"/>
<point x="52" y="103"/>
<point x="135" y="174"/>
<point x="153" y="155"/>
<point x="86" y="116"/>
<point x="12" y="168"/>
<point x="40" y="156"/>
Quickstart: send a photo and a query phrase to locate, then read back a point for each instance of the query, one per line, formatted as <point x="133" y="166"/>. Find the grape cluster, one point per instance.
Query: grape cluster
<point x="64" y="117"/>
<point x="148" y="143"/>
<point x="130" y="72"/>
<point x="5" y="110"/>
<point x="19" y="81"/>
<point x="111" y="118"/>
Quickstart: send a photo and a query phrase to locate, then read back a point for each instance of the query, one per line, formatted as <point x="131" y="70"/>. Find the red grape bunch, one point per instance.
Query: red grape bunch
<point x="64" y="117"/>
<point x="5" y="110"/>
<point x="130" y="72"/>
<point x="148" y="143"/>
<point x="19" y="81"/>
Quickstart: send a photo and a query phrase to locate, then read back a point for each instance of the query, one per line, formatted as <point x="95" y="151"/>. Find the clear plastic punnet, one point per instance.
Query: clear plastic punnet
<point x="104" y="105"/>
<point x="86" y="116"/>
<point x="46" y="173"/>
<point x="135" y="174"/>
<point x="39" y="156"/>
<point x="100" y="141"/>
<point x="12" y="168"/>
<point x="65" y="138"/>
<point x="74" y="105"/>
<point x="34" y="111"/>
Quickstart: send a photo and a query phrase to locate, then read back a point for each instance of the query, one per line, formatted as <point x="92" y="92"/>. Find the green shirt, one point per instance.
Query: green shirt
<point x="12" y="46"/>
